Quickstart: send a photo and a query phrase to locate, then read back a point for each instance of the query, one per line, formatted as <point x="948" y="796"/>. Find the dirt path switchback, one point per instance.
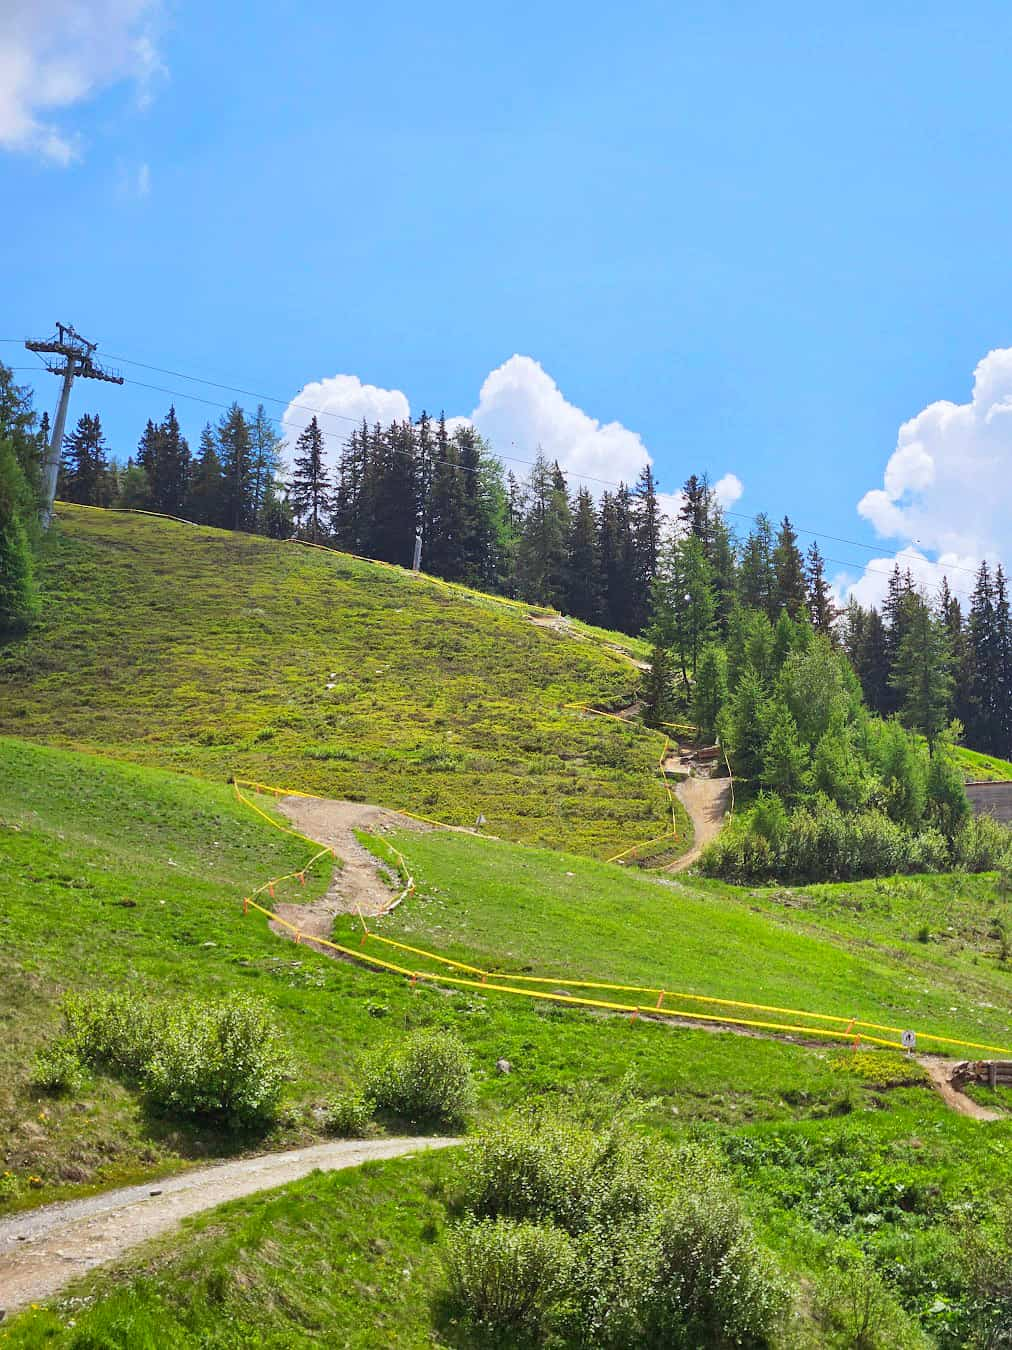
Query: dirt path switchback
<point x="706" y="801"/>
<point x="359" y="885"/>
<point x="44" y="1249"/>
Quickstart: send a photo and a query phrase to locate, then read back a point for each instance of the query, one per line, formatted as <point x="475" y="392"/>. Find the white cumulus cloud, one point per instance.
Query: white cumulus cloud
<point x="520" y="409"/>
<point x="339" y="402"/>
<point x="947" y="488"/>
<point x="948" y="483"/>
<point x="55" y="53"/>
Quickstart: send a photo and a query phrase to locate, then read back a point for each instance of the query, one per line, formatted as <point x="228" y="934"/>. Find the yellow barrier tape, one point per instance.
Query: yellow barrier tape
<point x="846" y="1028"/>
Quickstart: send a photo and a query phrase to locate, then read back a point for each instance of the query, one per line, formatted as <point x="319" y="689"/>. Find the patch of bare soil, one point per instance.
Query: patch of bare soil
<point x="362" y="884"/>
<point x="938" y="1071"/>
<point x="46" y="1248"/>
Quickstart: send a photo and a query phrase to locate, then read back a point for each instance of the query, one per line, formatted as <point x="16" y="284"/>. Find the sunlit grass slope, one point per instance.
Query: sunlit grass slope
<point x="913" y="952"/>
<point x="217" y="653"/>
<point x="118" y="876"/>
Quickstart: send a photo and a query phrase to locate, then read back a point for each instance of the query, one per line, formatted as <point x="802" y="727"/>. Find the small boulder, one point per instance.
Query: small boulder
<point x="503" y="1066"/>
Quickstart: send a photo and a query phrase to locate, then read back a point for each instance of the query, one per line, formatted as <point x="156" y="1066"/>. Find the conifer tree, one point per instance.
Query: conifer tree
<point x="205" y="498"/>
<point x="646" y="544"/>
<point x="544" y="542"/>
<point x="18" y="596"/>
<point x="347" y="519"/>
<point x="1001" y="735"/>
<point x="720" y="556"/>
<point x="583" y="586"/>
<point x="921" y="673"/>
<point x="617" y="551"/>
<point x="684" y="604"/>
<point x="85" y="474"/>
<point x="265" y="464"/>
<point x="309" y="490"/>
<point x="709" y="693"/>
<point x="168" y="473"/>
<point x="821" y="608"/>
<point x="984" y="662"/>
<point x="757" y="583"/>
<point x="694" y="512"/>
<point x="235" y="452"/>
<point x="446" y="508"/>
<point x="789" y="570"/>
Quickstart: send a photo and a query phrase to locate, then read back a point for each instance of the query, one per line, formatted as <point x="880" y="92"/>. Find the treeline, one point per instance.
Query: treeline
<point x="232" y="481"/>
<point x="962" y="662"/>
<point x="612" y="562"/>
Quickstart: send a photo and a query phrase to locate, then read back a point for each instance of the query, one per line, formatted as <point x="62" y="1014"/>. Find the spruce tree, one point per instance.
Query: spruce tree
<point x="789" y="570"/>
<point x="446" y="509"/>
<point x="757" y="585"/>
<point x="28" y="444"/>
<point x="684" y="604"/>
<point x="583" y="588"/>
<point x="821" y="608"/>
<point x="544" y="542"/>
<point x="309" y="489"/>
<point x="646" y="544"/>
<point x="694" y="512"/>
<point x="1001" y="737"/>
<point x="169" y="474"/>
<point x="984" y="663"/>
<point x="921" y="674"/>
<point x="85" y="474"/>
<point x="205" y="498"/>
<point x="235" y="453"/>
<point x="265" y="465"/>
<point x="720" y="555"/>
<point x="617" y="551"/>
<point x="347" y="516"/>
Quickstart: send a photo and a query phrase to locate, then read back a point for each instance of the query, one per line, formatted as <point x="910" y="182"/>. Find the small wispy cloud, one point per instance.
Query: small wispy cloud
<point x="56" y="55"/>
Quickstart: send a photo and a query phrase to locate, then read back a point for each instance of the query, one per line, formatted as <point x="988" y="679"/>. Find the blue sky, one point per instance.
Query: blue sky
<point x="758" y="238"/>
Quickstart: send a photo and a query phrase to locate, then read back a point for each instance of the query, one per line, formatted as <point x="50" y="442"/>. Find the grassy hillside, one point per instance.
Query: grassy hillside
<point x="979" y="768"/>
<point x="114" y="875"/>
<point x="217" y="653"/>
<point x="117" y="875"/>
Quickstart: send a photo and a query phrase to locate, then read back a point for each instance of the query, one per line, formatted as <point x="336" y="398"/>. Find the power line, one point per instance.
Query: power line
<point x="946" y="568"/>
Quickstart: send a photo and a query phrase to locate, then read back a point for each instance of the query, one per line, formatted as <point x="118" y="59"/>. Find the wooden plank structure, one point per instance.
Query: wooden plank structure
<point x="988" y="1072"/>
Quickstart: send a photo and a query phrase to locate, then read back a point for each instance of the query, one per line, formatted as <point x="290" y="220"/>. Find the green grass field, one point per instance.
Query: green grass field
<point x="819" y="1139"/>
<point x="216" y="653"/>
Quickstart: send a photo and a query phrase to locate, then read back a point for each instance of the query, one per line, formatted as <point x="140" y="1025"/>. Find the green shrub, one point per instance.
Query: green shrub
<point x="508" y="1277"/>
<point x="348" y="1116"/>
<point x="113" y="1031"/>
<point x="547" y="1166"/>
<point x="223" y="1061"/>
<point x="662" y="1253"/>
<point x="425" y="1079"/>
<point x="692" y="1275"/>
<point x="982" y="844"/>
<point x="58" y="1070"/>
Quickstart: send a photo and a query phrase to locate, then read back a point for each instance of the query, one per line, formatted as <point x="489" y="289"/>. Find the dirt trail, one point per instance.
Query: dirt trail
<point x="359" y="884"/>
<point x="938" y="1071"/>
<point x="706" y="801"/>
<point x="43" y="1250"/>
